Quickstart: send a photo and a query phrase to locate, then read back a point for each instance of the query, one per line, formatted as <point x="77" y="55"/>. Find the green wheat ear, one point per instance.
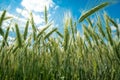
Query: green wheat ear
<point x="2" y="17"/>
<point x="115" y="25"/>
<point x="1" y="32"/>
<point x="100" y="29"/>
<point x="93" y="10"/>
<point x="66" y="34"/>
<point x="26" y="30"/>
<point x="1" y="21"/>
<point x="45" y="15"/>
<point x="108" y="29"/>
<point x="72" y="28"/>
<point x="19" y="39"/>
<point x="33" y="27"/>
<point x="6" y="37"/>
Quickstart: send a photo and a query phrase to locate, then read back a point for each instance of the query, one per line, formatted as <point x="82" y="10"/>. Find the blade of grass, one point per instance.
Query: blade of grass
<point x="53" y="30"/>
<point x="45" y="28"/>
<point x="59" y="33"/>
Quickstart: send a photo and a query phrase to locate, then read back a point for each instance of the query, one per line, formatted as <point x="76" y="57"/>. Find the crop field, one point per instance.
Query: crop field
<point x="40" y="55"/>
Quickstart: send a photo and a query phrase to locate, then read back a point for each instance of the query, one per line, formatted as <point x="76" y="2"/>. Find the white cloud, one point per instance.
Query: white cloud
<point x="16" y="17"/>
<point x="37" y="9"/>
<point x="11" y="38"/>
<point x="24" y="13"/>
<point x="38" y="19"/>
<point x="113" y="28"/>
<point x="56" y="7"/>
<point x="37" y="5"/>
<point x="1" y="37"/>
<point x="118" y="20"/>
<point x="40" y="28"/>
<point x="119" y="26"/>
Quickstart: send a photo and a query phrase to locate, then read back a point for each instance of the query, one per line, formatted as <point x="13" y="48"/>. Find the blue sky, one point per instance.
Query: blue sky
<point x="75" y="6"/>
<point x="56" y="9"/>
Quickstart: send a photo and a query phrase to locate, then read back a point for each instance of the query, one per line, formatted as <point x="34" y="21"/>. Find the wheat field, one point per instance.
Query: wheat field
<point x="40" y="56"/>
